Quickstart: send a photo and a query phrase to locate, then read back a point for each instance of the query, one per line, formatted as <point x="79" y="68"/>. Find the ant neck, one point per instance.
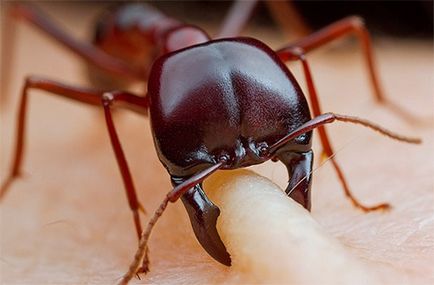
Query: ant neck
<point x="183" y="36"/>
<point x="163" y="31"/>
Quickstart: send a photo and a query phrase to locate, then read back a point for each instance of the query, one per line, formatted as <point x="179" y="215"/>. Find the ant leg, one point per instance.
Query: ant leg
<point x="283" y="12"/>
<point x="203" y="216"/>
<point x="343" y="28"/>
<point x="86" y="51"/>
<point x="6" y="59"/>
<point x="88" y="96"/>
<point x="325" y="141"/>
<point x="109" y="99"/>
<point x="290" y="20"/>
<point x="236" y="19"/>
<point x="83" y="95"/>
<point x="299" y="166"/>
<point x="139" y="104"/>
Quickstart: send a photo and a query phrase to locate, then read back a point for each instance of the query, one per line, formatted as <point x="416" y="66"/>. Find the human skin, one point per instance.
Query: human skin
<point x="67" y="221"/>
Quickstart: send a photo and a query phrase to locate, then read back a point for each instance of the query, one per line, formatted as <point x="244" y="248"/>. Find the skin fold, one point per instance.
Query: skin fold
<point x="67" y="220"/>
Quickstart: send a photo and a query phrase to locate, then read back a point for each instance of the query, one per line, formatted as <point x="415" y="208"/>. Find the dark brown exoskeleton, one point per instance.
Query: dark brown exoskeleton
<point x="213" y="104"/>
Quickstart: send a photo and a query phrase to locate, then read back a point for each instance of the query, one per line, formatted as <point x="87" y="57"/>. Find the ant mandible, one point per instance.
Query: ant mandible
<point x="213" y="104"/>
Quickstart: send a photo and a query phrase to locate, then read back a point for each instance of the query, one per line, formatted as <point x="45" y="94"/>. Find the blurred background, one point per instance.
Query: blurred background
<point x="412" y="19"/>
<point x="393" y="18"/>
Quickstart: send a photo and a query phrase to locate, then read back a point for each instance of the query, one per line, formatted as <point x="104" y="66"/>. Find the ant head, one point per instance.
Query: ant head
<point x="184" y="36"/>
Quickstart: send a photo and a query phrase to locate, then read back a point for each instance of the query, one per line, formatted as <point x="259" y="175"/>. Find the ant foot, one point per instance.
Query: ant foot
<point x="6" y="184"/>
<point x="145" y="264"/>
<point x="380" y="207"/>
<point x="142" y="209"/>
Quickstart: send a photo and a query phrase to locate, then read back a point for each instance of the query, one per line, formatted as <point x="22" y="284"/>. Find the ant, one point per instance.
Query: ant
<point x="213" y="105"/>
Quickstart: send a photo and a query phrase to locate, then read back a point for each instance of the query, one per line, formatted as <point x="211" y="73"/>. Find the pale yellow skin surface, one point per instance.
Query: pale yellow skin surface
<point x="296" y="245"/>
<point x="67" y="221"/>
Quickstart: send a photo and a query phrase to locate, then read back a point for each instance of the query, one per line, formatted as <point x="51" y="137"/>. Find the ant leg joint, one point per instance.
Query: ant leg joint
<point x="29" y="80"/>
<point x="357" y="21"/>
<point x="107" y="98"/>
<point x="298" y="51"/>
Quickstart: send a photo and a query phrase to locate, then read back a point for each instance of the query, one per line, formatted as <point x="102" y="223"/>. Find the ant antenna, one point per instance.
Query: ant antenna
<point x="172" y="196"/>
<point x="328" y="118"/>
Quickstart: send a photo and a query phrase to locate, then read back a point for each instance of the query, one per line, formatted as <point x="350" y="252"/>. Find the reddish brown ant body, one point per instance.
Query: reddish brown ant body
<point x="213" y="104"/>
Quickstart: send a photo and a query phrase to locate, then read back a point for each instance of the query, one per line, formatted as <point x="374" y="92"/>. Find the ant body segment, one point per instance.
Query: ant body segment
<point x="213" y="104"/>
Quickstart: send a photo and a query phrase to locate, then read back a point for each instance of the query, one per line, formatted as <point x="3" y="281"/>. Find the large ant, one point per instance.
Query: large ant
<point x="213" y="104"/>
